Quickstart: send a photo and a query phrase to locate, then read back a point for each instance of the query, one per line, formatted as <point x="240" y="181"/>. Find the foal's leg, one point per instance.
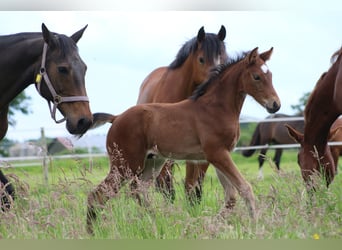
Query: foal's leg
<point x="222" y="160"/>
<point x="152" y="167"/>
<point x="101" y="194"/>
<point x="230" y="192"/>
<point x="122" y="168"/>
<point x="164" y="181"/>
<point x="195" y="173"/>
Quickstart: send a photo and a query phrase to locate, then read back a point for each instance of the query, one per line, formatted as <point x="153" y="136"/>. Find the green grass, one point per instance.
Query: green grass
<point x="57" y="210"/>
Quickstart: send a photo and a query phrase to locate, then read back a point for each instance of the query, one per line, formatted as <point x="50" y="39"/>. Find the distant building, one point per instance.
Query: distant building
<point x="24" y="149"/>
<point x="58" y="145"/>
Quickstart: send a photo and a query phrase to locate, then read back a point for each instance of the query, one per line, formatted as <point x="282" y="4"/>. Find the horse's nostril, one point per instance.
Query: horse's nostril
<point x="83" y="124"/>
<point x="275" y="105"/>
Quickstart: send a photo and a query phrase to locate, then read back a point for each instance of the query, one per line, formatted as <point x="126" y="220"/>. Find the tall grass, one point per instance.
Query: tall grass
<point x="57" y="210"/>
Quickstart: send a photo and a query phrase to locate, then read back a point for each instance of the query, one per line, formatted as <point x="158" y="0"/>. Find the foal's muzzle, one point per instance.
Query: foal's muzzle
<point x="272" y="106"/>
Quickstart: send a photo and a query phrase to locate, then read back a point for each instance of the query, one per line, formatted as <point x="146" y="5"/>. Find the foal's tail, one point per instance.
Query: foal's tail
<point x="255" y="141"/>
<point x="100" y="119"/>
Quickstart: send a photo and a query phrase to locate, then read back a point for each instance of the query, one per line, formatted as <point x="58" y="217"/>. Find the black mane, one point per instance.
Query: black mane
<point x="215" y="73"/>
<point x="211" y="45"/>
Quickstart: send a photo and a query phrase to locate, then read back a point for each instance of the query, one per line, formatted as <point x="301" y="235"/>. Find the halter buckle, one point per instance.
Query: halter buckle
<point x="57" y="99"/>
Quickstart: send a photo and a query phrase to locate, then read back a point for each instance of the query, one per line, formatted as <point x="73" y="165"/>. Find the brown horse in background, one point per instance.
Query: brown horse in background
<point x="272" y="132"/>
<point x="203" y="127"/>
<point x="177" y="82"/>
<point x="320" y="113"/>
<point x="52" y="61"/>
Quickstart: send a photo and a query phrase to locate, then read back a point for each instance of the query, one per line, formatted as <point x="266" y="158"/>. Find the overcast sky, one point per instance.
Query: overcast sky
<point x="122" y="48"/>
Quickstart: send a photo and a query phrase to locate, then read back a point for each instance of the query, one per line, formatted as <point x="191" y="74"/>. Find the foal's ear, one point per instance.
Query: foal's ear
<point x="294" y="134"/>
<point x="266" y="55"/>
<point x="200" y="35"/>
<point x="222" y="33"/>
<point x="48" y="36"/>
<point x="252" y="56"/>
<point x="77" y="36"/>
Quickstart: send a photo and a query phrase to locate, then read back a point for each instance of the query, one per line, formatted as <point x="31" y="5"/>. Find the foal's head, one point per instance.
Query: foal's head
<point x="257" y="80"/>
<point x="311" y="161"/>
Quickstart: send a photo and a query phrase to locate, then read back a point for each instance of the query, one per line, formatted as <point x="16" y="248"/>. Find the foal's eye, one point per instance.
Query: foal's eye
<point x="256" y="77"/>
<point x="63" y="70"/>
<point x="201" y="60"/>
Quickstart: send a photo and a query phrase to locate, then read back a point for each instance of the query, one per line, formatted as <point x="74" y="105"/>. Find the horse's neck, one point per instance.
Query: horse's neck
<point x="21" y="60"/>
<point x="175" y="85"/>
<point x="224" y="94"/>
<point x="320" y="112"/>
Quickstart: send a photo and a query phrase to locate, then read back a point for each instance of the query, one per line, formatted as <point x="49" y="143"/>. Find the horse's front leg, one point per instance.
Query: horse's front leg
<point x="230" y="192"/>
<point x="223" y="162"/>
<point x="3" y="121"/>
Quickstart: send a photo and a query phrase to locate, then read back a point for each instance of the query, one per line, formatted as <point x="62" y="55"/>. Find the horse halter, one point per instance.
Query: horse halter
<point x="57" y="99"/>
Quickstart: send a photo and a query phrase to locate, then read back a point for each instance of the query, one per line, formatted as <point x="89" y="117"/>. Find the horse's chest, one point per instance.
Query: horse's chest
<point x="231" y="137"/>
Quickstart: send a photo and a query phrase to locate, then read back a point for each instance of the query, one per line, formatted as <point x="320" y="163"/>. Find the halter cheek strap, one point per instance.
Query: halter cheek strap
<point x="57" y="99"/>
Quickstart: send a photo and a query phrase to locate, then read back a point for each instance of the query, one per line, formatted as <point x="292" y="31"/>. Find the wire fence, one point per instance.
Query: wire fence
<point x="39" y="160"/>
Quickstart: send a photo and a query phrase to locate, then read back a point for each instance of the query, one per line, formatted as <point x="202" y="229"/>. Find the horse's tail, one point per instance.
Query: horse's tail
<point x="255" y="141"/>
<point x="100" y="119"/>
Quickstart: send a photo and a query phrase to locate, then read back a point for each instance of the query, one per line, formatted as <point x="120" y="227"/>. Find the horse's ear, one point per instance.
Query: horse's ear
<point x="252" y="56"/>
<point x="200" y="34"/>
<point x="266" y="55"/>
<point x="48" y="36"/>
<point x="294" y="134"/>
<point x="222" y="33"/>
<point x="77" y="36"/>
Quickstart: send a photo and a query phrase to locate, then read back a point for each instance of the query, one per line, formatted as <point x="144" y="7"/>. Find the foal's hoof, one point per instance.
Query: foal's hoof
<point x="225" y="213"/>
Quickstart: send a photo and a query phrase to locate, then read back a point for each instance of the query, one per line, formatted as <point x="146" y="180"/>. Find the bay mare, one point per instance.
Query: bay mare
<point x="203" y="127"/>
<point x="52" y="62"/>
<point x="177" y="82"/>
<point x="320" y="112"/>
<point x="272" y="133"/>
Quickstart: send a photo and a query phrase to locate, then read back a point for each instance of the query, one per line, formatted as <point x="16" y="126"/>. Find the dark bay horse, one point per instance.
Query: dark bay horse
<point x="272" y="132"/>
<point x="52" y="62"/>
<point x="177" y="82"/>
<point x="320" y="113"/>
<point x="202" y="127"/>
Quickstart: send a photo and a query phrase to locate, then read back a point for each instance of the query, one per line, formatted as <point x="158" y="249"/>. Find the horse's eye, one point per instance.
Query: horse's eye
<point x="201" y="60"/>
<point x="256" y="77"/>
<point x="63" y="70"/>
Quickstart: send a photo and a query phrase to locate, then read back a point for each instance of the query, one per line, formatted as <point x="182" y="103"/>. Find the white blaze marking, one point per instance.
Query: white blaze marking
<point x="264" y="68"/>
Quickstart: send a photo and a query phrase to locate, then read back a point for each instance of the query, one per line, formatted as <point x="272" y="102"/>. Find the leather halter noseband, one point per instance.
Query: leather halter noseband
<point x="57" y="99"/>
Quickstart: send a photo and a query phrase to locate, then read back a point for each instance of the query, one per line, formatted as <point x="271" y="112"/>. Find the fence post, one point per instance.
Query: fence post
<point x="45" y="158"/>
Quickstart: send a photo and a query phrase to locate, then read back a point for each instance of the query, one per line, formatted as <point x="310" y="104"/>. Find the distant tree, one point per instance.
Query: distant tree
<point x="21" y="104"/>
<point x="5" y="144"/>
<point x="299" y="108"/>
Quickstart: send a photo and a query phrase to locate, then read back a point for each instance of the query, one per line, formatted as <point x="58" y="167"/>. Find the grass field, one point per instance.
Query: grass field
<point x="57" y="210"/>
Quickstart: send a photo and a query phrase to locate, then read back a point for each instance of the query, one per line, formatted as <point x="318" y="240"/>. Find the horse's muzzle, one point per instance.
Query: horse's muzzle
<point x="80" y="126"/>
<point x="272" y="107"/>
